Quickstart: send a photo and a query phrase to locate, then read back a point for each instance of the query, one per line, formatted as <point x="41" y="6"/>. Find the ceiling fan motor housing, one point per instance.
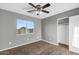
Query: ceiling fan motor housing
<point x="38" y="7"/>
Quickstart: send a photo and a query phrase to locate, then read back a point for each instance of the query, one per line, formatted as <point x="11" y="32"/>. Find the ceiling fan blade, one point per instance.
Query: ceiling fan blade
<point x="46" y="5"/>
<point x="32" y="5"/>
<point x="45" y="11"/>
<point x="31" y="10"/>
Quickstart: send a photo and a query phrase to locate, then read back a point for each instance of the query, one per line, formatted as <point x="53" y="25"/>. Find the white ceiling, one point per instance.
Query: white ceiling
<point x="55" y="8"/>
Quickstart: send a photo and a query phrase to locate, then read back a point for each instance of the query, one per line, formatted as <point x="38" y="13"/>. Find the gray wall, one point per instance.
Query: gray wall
<point x="49" y="30"/>
<point x="8" y="30"/>
<point x="49" y="25"/>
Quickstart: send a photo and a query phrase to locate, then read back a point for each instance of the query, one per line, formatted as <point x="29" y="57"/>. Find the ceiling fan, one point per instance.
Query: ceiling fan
<point x="38" y="8"/>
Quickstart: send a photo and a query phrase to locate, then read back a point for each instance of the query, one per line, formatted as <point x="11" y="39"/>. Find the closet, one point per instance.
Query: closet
<point x="63" y="30"/>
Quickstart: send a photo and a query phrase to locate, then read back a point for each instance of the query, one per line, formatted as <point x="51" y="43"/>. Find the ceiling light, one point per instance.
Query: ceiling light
<point x="38" y="12"/>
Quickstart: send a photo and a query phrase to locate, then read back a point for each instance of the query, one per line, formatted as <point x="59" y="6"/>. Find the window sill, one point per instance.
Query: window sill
<point x="23" y="34"/>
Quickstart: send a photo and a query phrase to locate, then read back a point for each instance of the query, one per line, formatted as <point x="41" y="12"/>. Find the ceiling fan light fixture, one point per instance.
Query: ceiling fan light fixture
<point x="38" y="12"/>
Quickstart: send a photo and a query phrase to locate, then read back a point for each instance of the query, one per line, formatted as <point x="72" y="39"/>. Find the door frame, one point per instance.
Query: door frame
<point x="58" y="26"/>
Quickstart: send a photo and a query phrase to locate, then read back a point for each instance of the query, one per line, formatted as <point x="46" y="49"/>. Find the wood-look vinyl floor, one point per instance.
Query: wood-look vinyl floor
<point x="39" y="48"/>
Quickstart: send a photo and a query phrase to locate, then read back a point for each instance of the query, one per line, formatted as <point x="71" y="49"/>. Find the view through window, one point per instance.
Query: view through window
<point x="24" y="27"/>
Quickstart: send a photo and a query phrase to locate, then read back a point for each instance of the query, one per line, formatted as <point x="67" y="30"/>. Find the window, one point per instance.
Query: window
<point x="24" y="27"/>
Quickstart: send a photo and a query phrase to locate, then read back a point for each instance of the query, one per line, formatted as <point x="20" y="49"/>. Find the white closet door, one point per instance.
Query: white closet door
<point x="63" y="34"/>
<point x="74" y="33"/>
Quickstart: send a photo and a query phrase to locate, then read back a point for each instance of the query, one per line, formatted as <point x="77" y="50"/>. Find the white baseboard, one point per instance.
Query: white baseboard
<point x="20" y="45"/>
<point x="50" y="42"/>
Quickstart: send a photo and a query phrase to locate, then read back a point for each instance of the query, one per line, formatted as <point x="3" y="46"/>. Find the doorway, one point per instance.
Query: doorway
<point x="63" y="31"/>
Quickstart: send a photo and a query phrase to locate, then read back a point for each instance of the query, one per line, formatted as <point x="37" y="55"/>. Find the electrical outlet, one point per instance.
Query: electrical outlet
<point x="10" y="43"/>
<point x="27" y="38"/>
<point x="37" y="37"/>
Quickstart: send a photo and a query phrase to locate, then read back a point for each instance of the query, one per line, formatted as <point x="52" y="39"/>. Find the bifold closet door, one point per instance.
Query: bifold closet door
<point x="74" y="33"/>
